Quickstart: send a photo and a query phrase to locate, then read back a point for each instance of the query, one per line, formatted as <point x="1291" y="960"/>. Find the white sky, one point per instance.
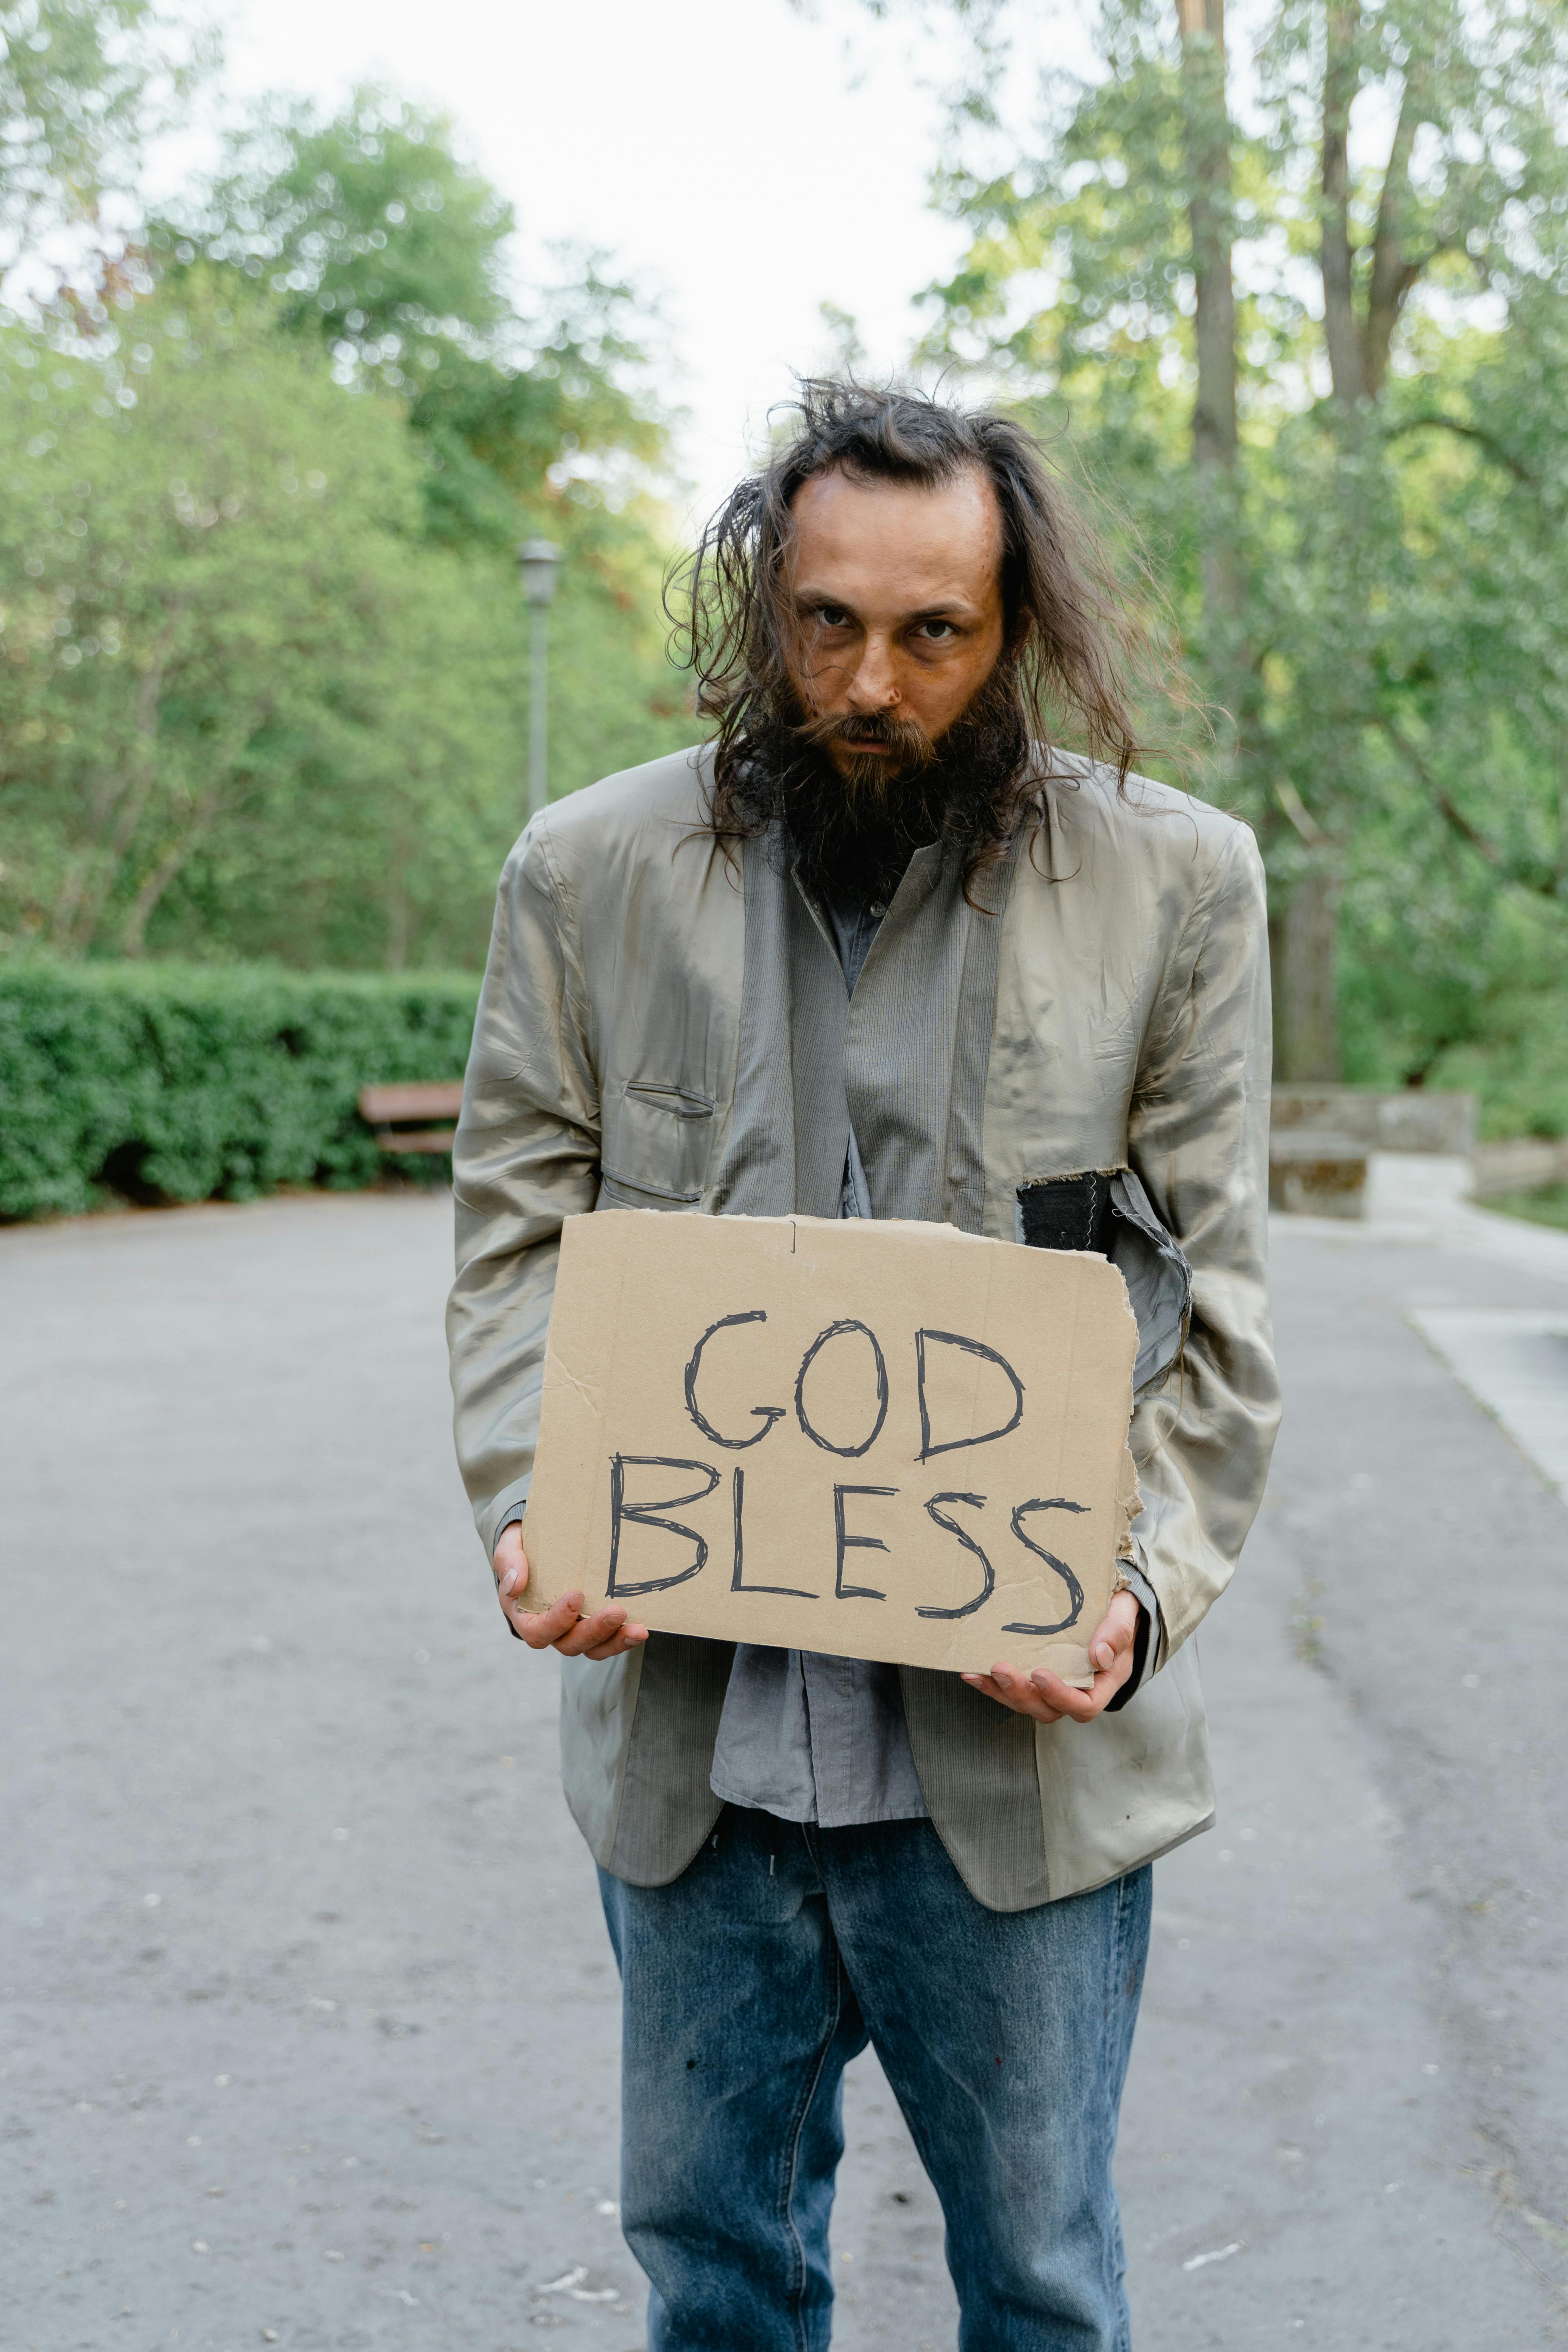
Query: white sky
<point x="746" y="162"/>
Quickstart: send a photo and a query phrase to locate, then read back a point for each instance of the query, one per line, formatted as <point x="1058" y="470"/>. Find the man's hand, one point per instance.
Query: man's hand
<point x="1046" y="1697"/>
<point x="562" y="1626"/>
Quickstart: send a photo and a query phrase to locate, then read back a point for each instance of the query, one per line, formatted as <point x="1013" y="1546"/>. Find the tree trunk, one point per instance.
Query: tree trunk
<point x="91" y="877"/>
<point x="1340" y="332"/>
<point x="1393" y="273"/>
<point x="223" y="759"/>
<point x="396" y="952"/>
<point x="1208" y="138"/>
<point x="176" y="856"/>
<point x="1305" y="1023"/>
<point x="1306" y="1015"/>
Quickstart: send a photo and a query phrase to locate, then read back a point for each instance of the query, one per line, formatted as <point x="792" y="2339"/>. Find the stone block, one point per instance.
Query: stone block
<point x="1409" y="1121"/>
<point x="1317" y="1173"/>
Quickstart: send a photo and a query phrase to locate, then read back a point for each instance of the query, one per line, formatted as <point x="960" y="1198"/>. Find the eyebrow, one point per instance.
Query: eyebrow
<point x="954" y="606"/>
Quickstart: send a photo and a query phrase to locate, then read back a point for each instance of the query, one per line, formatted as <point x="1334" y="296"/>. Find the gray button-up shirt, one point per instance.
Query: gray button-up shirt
<point x="804" y="1735"/>
<point x="808" y="1737"/>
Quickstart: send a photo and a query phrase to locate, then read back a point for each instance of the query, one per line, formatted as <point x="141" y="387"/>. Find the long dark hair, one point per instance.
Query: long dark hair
<point x="1067" y="646"/>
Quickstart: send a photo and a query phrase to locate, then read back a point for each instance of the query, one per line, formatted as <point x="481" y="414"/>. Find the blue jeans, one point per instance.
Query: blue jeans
<point x="751" y="1980"/>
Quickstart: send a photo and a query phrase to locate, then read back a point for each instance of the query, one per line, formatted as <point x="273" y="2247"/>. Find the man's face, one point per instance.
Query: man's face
<point x="898" y="601"/>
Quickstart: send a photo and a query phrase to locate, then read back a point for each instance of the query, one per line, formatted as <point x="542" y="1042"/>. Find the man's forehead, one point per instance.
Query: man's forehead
<point x="920" y="535"/>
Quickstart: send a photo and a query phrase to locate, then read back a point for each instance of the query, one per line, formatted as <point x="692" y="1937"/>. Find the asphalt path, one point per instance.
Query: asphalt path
<point x="308" y="2018"/>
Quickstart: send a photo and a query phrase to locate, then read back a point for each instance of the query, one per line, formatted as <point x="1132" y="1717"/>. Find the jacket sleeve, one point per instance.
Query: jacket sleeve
<point x="1198" y="1139"/>
<point x="526" y="1157"/>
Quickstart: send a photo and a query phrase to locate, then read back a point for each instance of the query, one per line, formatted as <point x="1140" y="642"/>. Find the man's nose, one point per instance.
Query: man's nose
<point x="875" y="685"/>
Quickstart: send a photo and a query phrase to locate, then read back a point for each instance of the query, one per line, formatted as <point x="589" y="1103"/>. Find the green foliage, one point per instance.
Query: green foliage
<point x="1393" y="670"/>
<point x="378" y="239"/>
<point x="213" y="615"/>
<point x="263" y="659"/>
<point x="246" y="706"/>
<point x="81" y="82"/>
<point x="368" y="226"/>
<point x="169" y="1083"/>
<point x="1546" y="1206"/>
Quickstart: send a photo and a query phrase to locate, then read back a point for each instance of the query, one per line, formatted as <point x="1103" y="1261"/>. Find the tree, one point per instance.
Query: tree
<point x="1206" y="139"/>
<point x="262" y="654"/>
<point x="376" y="237"/>
<point x="247" y="705"/>
<point x="1346" y="308"/>
<point x="81" y="82"/>
<point x="204" y="525"/>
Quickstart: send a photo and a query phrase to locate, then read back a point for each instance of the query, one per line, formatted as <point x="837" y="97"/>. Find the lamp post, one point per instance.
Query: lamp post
<point x="537" y="563"/>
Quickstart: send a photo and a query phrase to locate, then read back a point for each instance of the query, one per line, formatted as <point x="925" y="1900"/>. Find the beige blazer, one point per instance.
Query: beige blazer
<point x="1110" y="1011"/>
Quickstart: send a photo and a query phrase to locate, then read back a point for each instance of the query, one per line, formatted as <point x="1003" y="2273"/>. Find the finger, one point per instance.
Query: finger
<point x="590" y="1632"/>
<point x="1082" y="1706"/>
<point x="630" y="1637"/>
<point x="511" y="1565"/>
<point x="1010" y="1688"/>
<point x="1017" y="1690"/>
<point x="541" y="1628"/>
<point x="1115" y="1633"/>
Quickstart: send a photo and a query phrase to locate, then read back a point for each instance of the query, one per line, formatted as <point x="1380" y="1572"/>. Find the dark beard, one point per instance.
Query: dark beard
<point x="852" y="835"/>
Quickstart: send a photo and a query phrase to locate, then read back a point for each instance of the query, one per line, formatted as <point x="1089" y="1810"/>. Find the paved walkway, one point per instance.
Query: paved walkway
<point x="309" y="2023"/>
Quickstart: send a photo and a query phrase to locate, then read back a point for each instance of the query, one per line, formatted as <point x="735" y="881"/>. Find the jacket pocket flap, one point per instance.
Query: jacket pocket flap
<point x="657" y="1139"/>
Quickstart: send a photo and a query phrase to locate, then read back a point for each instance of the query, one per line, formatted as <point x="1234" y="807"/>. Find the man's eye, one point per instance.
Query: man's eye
<point x="937" y="630"/>
<point x="833" y="616"/>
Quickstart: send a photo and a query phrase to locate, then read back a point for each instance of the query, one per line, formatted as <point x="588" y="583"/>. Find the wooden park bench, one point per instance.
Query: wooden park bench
<point x="413" y="1119"/>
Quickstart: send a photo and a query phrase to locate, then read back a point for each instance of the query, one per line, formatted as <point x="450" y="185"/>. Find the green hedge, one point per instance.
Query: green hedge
<point x="163" y="1081"/>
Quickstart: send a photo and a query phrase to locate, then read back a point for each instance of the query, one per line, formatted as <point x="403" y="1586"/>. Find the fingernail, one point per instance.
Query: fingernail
<point x="508" y="1580"/>
<point x="1001" y="1674"/>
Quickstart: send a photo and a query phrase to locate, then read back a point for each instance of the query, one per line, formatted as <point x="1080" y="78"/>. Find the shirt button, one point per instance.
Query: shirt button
<point x="878" y="908"/>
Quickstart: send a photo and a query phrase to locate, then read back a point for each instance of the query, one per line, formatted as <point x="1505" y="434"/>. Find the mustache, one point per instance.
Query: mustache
<point x="910" y="745"/>
<point x="842" y="830"/>
<point x="859" y="821"/>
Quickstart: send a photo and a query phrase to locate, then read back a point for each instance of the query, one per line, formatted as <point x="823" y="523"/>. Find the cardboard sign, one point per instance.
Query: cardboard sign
<point x="887" y="1441"/>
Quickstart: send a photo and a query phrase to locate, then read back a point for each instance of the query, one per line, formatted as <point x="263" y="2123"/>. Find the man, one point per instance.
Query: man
<point x="879" y="949"/>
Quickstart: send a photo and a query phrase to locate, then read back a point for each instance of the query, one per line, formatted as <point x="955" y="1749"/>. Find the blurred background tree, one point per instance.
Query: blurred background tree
<point x="1299" y="295"/>
<point x="376" y="240"/>
<point x="1303" y="305"/>
<point x="262" y="657"/>
<point x="82" y="85"/>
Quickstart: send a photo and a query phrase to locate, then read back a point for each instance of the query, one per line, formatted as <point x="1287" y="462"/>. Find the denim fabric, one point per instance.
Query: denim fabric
<point x="749" y="1983"/>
